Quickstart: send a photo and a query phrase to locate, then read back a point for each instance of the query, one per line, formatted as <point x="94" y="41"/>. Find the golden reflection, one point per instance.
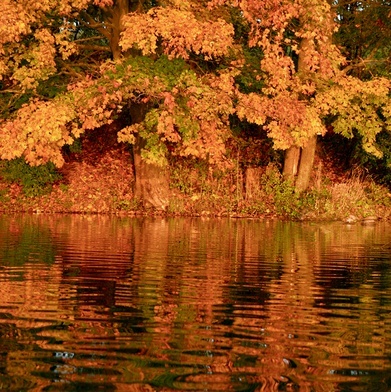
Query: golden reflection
<point x="211" y="302"/>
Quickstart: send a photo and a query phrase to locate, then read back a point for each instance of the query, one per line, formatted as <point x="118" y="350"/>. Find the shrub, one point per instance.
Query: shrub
<point x="286" y="200"/>
<point x="35" y="180"/>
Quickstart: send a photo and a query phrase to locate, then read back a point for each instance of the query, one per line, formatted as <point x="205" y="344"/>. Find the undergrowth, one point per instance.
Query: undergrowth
<point x="224" y="194"/>
<point x="197" y="189"/>
<point x="35" y="180"/>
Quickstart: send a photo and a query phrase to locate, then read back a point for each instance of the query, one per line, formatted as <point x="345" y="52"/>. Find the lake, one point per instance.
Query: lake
<point x="103" y="303"/>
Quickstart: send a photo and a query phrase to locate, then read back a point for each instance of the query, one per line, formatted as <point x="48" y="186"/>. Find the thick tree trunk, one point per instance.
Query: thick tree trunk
<point x="151" y="187"/>
<point x="298" y="162"/>
<point x="120" y="9"/>
<point x="291" y="164"/>
<point x="151" y="181"/>
<point x="306" y="163"/>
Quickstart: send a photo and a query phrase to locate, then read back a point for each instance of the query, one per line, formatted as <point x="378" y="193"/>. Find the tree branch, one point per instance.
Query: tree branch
<point x="96" y="48"/>
<point x="104" y="29"/>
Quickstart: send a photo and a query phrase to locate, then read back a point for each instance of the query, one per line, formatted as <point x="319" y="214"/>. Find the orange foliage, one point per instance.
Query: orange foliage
<point x="297" y="98"/>
<point x="300" y="70"/>
<point x="32" y="134"/>
<point x="179" y="31"/>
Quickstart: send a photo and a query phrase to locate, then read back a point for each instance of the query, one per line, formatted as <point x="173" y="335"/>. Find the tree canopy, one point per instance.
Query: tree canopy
<point x="293" y="68"/>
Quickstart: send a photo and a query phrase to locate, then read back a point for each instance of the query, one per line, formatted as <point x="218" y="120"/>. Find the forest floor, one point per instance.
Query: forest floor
<point x="99" y="179"/>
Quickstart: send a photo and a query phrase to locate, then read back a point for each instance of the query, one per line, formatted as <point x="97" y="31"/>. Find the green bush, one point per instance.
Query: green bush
<point x="35" y="180"/>
<point x="287" y="201"/>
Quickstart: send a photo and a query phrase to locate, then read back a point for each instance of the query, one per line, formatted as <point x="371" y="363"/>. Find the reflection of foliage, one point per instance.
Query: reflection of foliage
<point x="192" y="301"/>
<point x="24" y="242"/>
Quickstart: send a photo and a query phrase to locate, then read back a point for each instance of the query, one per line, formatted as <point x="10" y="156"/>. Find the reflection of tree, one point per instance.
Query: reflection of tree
<point x="95" y="258"/>
<point x="308" y="254"/>
<point x="25" y="240"/>
<point x="196" y="301"/>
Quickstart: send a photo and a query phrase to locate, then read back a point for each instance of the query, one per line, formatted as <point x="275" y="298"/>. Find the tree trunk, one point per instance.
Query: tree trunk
<point x="291" y="164"/>
<point x="151" y="181"/>
<point x="306" y="163"/>
<point x="120" y="9"/>
<point x="151" y="187"/>
<point x="298" y="162"/>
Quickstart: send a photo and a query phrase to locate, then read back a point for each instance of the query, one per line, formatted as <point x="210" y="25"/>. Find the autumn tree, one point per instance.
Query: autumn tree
<point x="149" y="76"/>
<point x="172" y="71"/>
<point x="305" y="84"/>
<point x="364" y="39"/>
<point x="364" y="36"/>
<point x="189" y="116"/>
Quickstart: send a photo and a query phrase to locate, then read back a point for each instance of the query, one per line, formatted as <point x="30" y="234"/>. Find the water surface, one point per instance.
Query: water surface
<point x="98" y="303"/>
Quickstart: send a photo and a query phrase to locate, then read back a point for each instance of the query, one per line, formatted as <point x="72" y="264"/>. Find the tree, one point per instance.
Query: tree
<point x="364" y="37"/>
<point x="192" y="114"/>
<point x="174" y="72"/>
<point x="171" y="105"/>
<point x="306" y="86"/>
<point x="298" y="56"/>
<point x="43" y="49"/>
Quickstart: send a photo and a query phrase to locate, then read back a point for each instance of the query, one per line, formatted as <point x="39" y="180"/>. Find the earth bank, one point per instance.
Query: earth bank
<point x="98" y="178"/>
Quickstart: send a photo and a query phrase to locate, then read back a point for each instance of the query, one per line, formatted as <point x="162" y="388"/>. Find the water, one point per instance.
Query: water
<point x="98" y="303"/>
